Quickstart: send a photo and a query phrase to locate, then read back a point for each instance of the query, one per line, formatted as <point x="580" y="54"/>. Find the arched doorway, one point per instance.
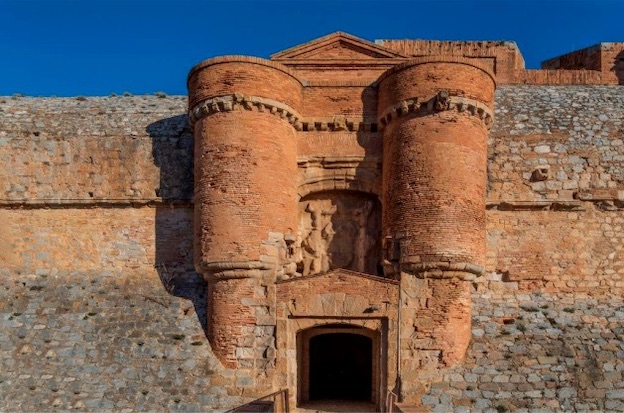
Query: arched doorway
<point x="341" y="367"/>
<point x="338" y="362"/>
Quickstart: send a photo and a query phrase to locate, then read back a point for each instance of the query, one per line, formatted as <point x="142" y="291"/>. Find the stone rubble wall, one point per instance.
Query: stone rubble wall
<point x="132" y="148"/>
<point x="104" y="311"/>
<point x="538" y="353"/>
<point x="98" y="341"/>
<point x="574" y="132"/>
<point x="123" y="241"/>
<point x="556" y="189"/>
<point x="97" y="149"/>
<point x="88" y="341"/>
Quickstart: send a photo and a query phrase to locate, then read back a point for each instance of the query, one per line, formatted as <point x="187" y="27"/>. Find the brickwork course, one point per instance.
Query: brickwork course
<point x="460" y="213"/>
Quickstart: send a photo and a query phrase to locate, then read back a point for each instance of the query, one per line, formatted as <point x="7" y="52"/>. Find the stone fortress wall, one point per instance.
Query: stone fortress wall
<point x="104" y="309"/>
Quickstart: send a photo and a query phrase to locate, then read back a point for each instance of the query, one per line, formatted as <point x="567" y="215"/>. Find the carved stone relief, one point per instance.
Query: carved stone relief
<point x="338" y="229"/>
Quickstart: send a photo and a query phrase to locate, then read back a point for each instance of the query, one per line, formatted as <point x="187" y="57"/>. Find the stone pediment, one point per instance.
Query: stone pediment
<point x="335" y="47"/>
<point x="340" y="273"/>
<point x="338" y="293"/>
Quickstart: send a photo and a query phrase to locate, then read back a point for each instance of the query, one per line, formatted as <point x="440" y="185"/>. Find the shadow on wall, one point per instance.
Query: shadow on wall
<point x="370" y="242"/>
<point x="172" y="150"/>
<point x="340" y="228"/>
<point x="618" y="67"/>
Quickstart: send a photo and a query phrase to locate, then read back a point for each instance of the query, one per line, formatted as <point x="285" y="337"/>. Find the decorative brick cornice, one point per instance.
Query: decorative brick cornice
<point x="221" y="270"/>
<point x="443" y="270"/>
<point x="228" y="103"/>
<point x="341" y="272"/>
<point x="438" y="103"/>
<point x="337" y="124"/>
<point x="581" y="204"/>
<point x="441" y="102"/>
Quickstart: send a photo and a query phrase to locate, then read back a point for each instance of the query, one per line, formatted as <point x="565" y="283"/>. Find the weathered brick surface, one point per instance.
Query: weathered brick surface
<point x="96" y="233"/>
<point x="435" y="159"/>
<point x="245" y="203"/>
<point x="248" y="76"/>
<point x="339" y="145"/>
<point x="327" y="101"/>
<point x="502" y="57"/>
<point x="240" y="157"/>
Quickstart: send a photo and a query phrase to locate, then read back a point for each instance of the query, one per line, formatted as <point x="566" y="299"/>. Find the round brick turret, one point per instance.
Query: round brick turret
<point x="435" y="113"/>
<point x="243" y="111"/>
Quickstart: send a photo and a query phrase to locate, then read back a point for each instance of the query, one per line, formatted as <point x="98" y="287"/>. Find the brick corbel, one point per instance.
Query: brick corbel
<point x="438" y="103"/>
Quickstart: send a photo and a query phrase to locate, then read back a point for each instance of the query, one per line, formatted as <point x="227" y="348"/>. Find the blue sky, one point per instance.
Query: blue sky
<point x="99" y="47"/>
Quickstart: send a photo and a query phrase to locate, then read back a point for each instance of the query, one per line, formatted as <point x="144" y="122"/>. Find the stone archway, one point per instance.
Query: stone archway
<point x="339" y="301"/>
<point x="338" y="362"/>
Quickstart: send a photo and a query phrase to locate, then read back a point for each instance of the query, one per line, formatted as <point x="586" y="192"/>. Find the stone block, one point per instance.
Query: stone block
<point x="615" y="394"/>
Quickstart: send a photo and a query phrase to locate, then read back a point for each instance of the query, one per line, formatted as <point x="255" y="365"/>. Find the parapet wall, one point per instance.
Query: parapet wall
<point x="607" y="58"/>
<point x="558" y="77"/>
<point x="503" y="57"/>
<point x="602" y="64"/>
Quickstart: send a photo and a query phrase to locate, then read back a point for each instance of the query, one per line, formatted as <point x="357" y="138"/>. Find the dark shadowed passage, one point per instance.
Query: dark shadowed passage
<point x="341" y="367"/>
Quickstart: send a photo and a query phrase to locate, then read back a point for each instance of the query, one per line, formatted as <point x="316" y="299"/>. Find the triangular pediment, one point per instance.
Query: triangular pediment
<point x="336" y="46"/>
<point x="339" y="272"/>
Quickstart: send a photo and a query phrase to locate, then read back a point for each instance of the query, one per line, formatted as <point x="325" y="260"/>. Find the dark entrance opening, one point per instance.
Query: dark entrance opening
<point x="341" y="367"/>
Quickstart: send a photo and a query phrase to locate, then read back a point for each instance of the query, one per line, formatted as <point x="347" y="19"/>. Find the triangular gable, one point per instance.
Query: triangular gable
<point x="336" y="46"/>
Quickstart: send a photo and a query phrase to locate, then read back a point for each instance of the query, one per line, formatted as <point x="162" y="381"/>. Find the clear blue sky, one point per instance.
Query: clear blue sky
<point x="99" y="47"/>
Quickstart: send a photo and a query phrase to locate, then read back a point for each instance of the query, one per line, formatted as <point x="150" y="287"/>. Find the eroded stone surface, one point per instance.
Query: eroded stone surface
<point x="338" y="230"/>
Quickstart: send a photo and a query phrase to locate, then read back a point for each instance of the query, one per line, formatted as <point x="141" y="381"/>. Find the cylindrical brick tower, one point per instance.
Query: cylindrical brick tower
<point x="435" y="113"/>
<point x="243" y="111"/>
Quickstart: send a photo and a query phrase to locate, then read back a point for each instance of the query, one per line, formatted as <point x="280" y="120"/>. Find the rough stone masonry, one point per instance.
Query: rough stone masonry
<point x="444" y="219"/>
